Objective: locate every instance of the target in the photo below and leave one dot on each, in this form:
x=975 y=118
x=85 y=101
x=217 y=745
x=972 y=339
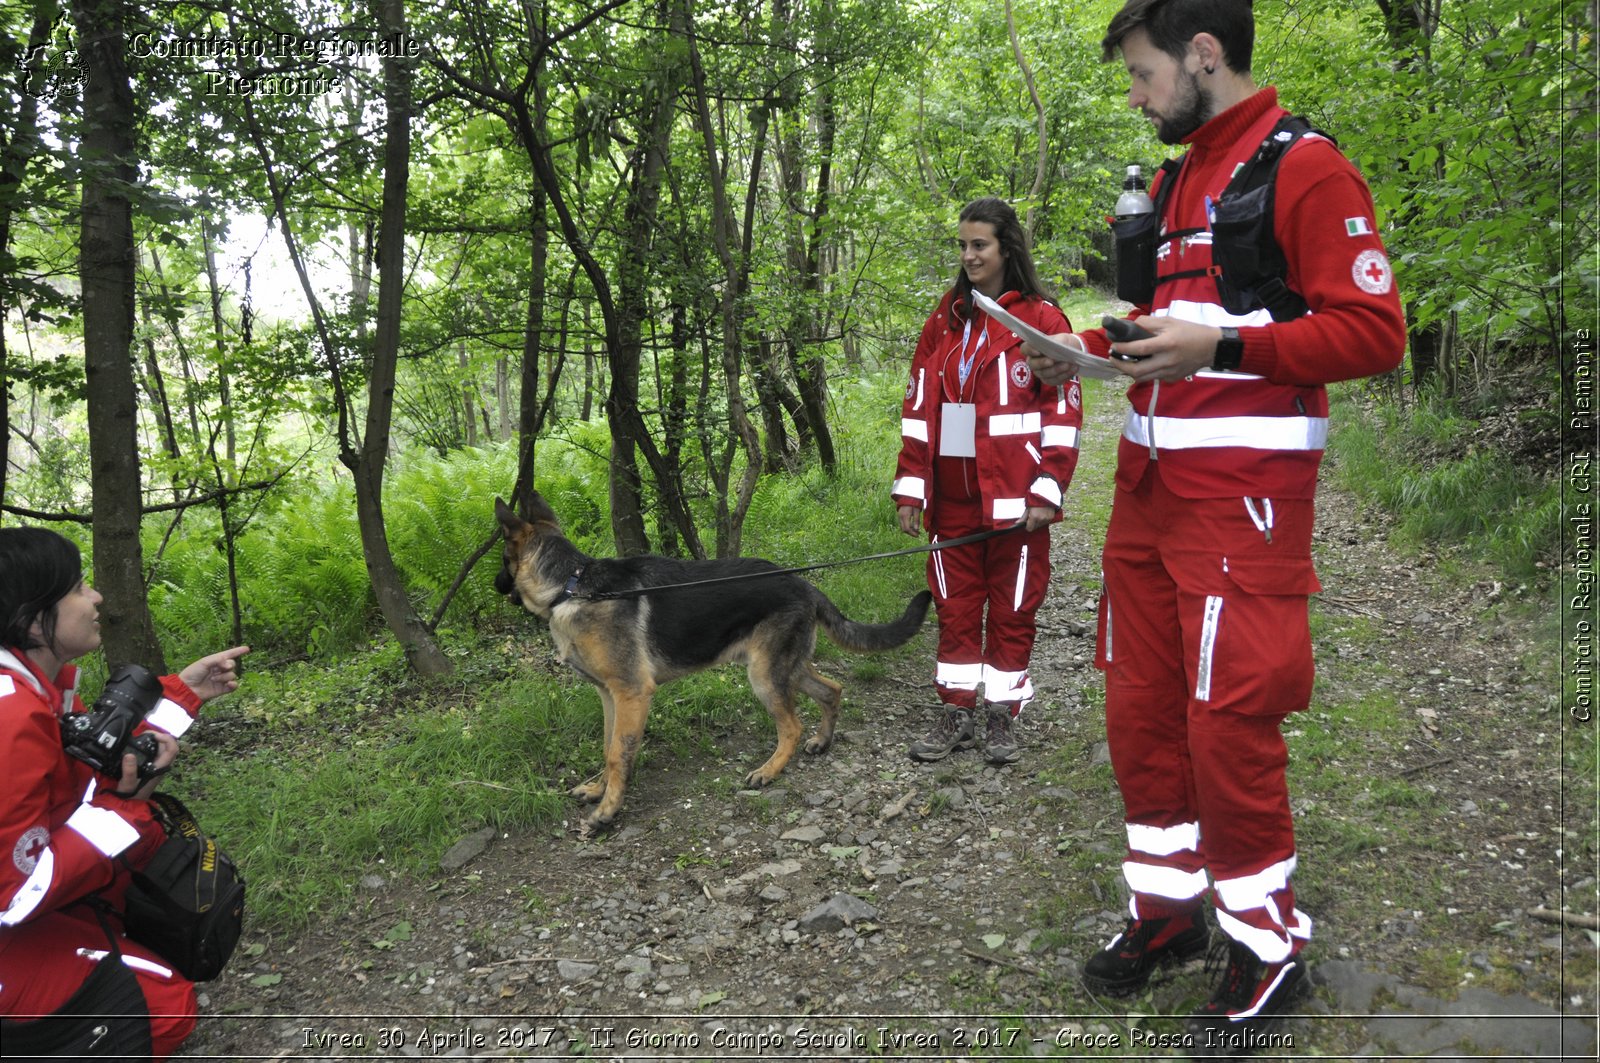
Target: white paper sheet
x=1086 y=363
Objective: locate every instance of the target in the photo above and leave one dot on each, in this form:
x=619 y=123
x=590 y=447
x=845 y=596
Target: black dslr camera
x=102 y=735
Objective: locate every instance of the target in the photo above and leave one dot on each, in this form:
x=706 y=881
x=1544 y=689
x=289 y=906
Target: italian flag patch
x=1357 y=227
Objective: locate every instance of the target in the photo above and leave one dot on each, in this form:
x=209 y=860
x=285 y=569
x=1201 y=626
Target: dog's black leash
x=570 y=591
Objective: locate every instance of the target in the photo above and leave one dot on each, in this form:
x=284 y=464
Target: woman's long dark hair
x=1020 y=275
x=38 y=568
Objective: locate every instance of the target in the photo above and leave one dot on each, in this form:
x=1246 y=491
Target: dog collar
x=570 y=590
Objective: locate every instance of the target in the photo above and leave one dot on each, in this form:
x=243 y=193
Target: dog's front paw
x=590 y=791
x=591 y=826
x=759 y=779
x=819 y=744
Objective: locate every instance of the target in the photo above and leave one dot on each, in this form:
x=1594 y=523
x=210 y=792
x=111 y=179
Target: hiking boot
x=999 y=746
x=1124 y=965
x=952 y=732
x=1249 y=1001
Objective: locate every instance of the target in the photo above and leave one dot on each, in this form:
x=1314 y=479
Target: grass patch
x=1421 y=464
x=307 y=816
x=1325 y=736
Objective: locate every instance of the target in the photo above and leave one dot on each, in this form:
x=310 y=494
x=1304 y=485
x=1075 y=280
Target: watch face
x=1230 y=350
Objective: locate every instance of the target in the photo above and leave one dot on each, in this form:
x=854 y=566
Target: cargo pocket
x=1258 y=574
x=1252 y=640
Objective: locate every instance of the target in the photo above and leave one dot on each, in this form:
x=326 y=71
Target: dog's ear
x=506 y=515
x=540 y=510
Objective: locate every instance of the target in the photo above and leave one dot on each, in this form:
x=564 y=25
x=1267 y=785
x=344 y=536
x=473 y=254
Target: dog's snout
x=502 y=582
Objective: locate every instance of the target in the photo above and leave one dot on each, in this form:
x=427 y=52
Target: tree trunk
x=675 y=406
x=530 y=415
x=1042 y=164
x=469 y=392
x=420 y=648
x=502 y=399
x=769 y=401
x=810 y=372
x=220 y=342
x=156 y=391
x=1410 y=26
x=513 y=104
x=588 y=365
x=734 y=266
x=633 y=287
x=106 y=266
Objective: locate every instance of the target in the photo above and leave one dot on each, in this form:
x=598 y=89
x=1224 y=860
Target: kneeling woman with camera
x=70 y=835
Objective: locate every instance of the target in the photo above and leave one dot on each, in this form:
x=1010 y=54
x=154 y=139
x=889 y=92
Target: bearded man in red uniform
x=1204 y=632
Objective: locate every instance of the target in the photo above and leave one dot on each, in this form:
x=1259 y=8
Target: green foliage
x=303 y=582
x=1475 y=152
x=1472 y=133
x=311 y=807
x=811 y=518
x=1445 y=489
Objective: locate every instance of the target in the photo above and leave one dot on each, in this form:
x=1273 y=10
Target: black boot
x=1249 y=1002
x=1124 y=966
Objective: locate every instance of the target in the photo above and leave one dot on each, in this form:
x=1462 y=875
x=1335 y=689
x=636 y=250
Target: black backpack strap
x=1263 y=165
x=1261 y=170
x=1169 y=174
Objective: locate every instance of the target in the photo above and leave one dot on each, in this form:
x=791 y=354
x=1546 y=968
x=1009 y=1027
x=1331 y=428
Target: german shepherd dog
x=628 y=640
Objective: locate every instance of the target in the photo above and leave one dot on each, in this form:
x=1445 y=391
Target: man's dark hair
x=38 y=568
x=1020 y=274
x=1172 y=24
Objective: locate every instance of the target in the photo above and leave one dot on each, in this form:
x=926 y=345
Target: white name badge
x=958 y=430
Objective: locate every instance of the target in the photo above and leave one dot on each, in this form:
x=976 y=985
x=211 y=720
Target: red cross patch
x=1371 y=272
x=25 y=854
x=1021 y=374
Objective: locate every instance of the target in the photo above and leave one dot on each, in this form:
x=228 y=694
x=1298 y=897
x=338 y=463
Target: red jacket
x=62 y=829
x=1026 y=438
x=1260 y=431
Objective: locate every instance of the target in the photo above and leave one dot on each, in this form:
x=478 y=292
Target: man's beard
x=1190 y=111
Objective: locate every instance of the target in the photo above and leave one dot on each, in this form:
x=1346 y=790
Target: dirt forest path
x=867 y=905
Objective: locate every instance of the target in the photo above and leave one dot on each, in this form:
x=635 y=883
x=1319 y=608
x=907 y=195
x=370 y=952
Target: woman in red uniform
x=985 y=445
x=69 y=835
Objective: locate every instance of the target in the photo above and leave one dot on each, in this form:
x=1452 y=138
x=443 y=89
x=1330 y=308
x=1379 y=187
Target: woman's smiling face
x=981 y=257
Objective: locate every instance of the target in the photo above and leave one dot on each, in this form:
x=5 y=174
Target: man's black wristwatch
x=1230 y=349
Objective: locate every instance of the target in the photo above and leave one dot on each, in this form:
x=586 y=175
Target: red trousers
x=1206 y=646
x=45 y=960
x=986 y=594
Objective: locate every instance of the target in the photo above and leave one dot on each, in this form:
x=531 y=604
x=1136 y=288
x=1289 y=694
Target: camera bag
x=187 y=903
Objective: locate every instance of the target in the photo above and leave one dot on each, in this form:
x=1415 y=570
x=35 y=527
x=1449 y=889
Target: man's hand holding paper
x=1054 y=358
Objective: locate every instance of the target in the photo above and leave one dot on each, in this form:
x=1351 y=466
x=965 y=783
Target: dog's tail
x=857 y=637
